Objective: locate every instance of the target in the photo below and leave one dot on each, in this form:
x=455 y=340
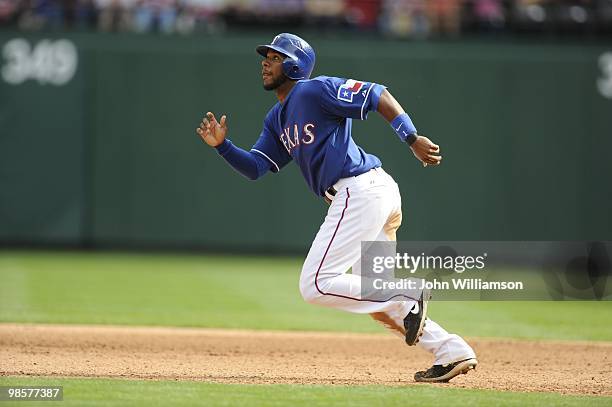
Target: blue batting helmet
x=300 y=59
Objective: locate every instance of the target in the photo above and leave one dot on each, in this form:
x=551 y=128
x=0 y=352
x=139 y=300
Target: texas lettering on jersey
x=291 y=137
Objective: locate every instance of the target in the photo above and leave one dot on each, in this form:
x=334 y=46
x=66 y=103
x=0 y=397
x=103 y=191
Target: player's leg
x=447 y=348
x=358 y=213
x=392 y=320
x=407 y=325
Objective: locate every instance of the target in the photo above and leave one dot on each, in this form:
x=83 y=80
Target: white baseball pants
x=366 y=208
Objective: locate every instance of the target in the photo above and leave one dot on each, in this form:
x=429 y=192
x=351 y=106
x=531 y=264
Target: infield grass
x=240 y=292
x=118 y=392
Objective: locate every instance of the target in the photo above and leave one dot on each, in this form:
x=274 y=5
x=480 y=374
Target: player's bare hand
x=426 y=151
x=212 y=131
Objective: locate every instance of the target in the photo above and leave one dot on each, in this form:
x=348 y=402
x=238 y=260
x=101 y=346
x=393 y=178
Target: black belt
x=330 y=192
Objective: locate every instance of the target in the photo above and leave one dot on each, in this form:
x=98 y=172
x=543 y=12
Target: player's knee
x=309 y=291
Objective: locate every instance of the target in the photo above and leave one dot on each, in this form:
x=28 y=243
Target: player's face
x=272 y=70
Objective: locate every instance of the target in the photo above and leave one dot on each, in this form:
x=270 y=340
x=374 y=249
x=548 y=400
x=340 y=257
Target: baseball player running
x=311 y=125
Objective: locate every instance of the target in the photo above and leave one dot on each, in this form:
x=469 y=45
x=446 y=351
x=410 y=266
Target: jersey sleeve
x=269 y=146
x=349 y=97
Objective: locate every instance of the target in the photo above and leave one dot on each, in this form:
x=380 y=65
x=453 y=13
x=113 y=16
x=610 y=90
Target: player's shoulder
x=314 y=86
x=307 y=86
x=331 y=85
x=328 y=81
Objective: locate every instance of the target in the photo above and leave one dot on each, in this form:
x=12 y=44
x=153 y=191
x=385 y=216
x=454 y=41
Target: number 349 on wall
x=48 y=61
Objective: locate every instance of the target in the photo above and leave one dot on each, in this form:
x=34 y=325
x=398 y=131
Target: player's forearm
x=388 y=106
x=393 y=113
x=246 y=163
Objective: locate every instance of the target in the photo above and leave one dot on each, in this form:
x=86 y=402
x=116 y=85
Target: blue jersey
x=313 y=127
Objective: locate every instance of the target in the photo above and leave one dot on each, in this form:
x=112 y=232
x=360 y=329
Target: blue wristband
x=404 y=128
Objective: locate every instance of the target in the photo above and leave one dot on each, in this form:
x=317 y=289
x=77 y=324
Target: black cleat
x=443 y=373
x=415 y=321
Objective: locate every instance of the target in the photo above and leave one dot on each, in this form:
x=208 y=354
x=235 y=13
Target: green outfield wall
x=98 y=143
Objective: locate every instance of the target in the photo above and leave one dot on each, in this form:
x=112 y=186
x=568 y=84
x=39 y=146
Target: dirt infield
x=230 y=356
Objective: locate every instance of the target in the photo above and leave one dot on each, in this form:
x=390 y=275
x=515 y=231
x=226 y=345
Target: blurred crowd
x=404 y=18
